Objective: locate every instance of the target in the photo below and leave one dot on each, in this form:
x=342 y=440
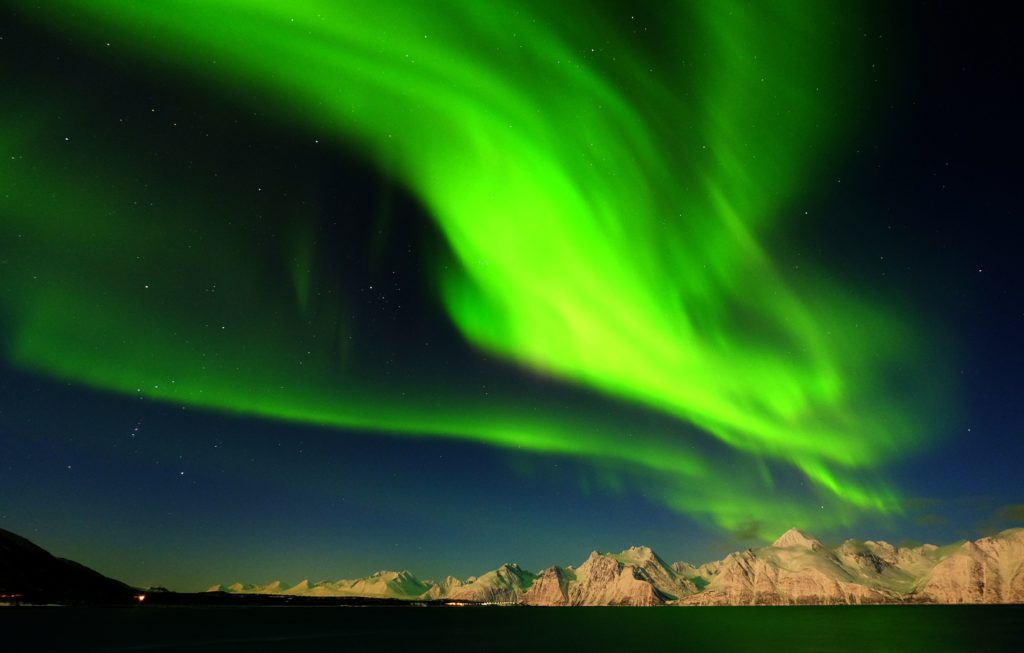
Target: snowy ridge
x=796 y=569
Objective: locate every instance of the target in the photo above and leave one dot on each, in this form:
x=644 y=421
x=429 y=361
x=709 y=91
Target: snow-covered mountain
x=989 y=570
x=506 y=584
x=795 y=569
x=798 y=569
x=382 y=584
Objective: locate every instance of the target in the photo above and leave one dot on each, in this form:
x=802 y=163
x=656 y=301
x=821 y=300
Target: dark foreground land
x=875 y=629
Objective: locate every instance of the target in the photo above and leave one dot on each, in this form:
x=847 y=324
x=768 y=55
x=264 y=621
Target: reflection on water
x=864 y=629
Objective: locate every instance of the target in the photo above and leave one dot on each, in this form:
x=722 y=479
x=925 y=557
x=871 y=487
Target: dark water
x=793 y=630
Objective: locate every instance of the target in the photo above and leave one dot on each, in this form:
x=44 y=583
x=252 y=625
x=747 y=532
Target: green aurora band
x=605 y=205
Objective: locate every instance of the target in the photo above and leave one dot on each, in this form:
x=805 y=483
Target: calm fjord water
x=863 y=629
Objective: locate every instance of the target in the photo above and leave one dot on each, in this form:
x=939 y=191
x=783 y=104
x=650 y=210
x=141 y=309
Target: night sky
x=312 y=289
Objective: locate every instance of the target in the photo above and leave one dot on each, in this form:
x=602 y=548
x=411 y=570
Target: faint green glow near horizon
x=604 y=205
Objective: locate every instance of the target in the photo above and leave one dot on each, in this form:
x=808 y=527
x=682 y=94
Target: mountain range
x=797 y=569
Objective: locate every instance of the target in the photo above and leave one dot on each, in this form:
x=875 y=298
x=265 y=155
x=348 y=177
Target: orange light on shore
x=140 y=597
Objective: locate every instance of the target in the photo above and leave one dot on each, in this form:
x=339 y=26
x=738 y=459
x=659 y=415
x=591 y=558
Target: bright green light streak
x=604 y=206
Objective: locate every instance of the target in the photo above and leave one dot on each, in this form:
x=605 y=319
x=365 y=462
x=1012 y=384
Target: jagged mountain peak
x=632 y=555
x=387 y=573
x=795 y=537
x=641 y=555
x=506 y=584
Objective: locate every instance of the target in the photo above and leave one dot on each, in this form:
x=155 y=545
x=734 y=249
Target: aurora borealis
x=561 y=231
